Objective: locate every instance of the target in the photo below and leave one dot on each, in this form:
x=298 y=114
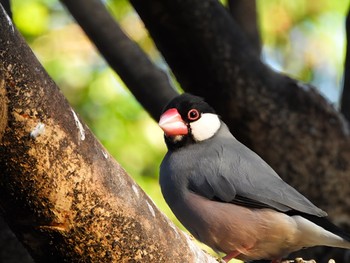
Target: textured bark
x=149 y=84
x=62 y=194
x=7 y=6
x=287 y=122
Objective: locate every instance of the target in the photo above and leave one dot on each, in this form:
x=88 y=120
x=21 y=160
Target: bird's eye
x=193 y=115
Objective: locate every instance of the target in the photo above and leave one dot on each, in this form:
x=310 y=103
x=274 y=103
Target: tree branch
x=345 y=97
x=245 y=14
x=285 y=121
x=7 y=6
x=62 y=194
x=149 y=84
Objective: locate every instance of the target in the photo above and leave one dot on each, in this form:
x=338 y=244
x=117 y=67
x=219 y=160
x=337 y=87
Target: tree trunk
x=63 y=195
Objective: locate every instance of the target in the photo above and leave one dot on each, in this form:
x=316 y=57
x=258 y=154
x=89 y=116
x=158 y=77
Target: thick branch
x=285 y=121
x=62 y=194
x=345 y=97
x=245 y=14
x=7 y=6
x=149 y=84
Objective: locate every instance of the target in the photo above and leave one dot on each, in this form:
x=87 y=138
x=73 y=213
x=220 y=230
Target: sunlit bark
x=63 y=195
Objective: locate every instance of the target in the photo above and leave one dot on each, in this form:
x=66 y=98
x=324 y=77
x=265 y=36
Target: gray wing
x=231 y=172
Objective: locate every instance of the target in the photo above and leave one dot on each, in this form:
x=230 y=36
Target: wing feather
x=231 y=172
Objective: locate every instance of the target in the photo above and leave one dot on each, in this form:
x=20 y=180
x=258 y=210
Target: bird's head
x=188 y=119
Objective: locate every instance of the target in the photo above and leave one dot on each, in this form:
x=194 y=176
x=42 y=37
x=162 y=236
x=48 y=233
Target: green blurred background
x=305 y=39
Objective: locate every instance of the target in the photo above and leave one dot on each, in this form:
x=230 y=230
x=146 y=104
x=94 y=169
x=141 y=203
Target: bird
x=227 y=196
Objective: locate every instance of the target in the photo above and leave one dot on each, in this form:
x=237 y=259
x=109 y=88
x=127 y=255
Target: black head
x=188 y=119
x=186 y=102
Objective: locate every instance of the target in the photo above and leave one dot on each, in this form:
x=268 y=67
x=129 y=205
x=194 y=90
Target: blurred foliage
x=304 y=39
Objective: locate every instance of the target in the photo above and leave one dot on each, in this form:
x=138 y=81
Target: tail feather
x=329 y=226
x=333 y=236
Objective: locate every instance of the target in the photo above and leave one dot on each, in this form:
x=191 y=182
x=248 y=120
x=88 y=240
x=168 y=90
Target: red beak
x=172 y=123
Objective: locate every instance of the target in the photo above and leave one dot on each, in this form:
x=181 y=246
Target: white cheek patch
x=205 y=127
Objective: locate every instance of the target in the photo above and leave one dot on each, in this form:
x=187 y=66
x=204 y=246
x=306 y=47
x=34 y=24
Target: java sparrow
x=227 y=196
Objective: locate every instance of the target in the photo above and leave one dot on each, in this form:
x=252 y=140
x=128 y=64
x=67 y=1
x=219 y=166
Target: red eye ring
x=193 y=115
